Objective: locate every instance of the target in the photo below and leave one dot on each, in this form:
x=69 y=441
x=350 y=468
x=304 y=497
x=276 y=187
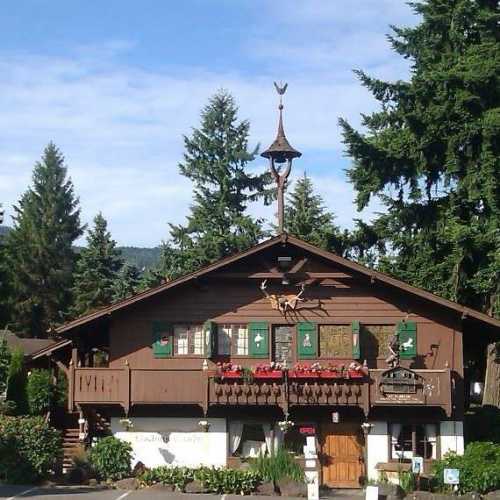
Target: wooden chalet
x=211 y=367
x=271 y=345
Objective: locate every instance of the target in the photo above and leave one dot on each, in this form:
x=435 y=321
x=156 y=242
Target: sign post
x=452 y=477
x=311 y=468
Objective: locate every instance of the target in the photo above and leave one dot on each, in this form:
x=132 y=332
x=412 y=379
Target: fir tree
x=127 y=282
x=39 y=248
x=431 y=154
x=307 y=218
x=97 y=269
x=215 y=160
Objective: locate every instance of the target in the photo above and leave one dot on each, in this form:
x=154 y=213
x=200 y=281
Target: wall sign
x=399 y=381
x=307 y=431
x=451 y=476
x=335 y=417
x=417 y=465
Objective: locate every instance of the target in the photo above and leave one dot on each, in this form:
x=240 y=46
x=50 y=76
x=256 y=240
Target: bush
x=16 y=382
x=4 y=363
x=219 y=480
x=280 y=465
x=479 y=468
x=214 y=480
x=110 y=458
x=41 y=392
x=29 y=449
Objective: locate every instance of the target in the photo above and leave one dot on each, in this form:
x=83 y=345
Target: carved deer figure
x=283 y=303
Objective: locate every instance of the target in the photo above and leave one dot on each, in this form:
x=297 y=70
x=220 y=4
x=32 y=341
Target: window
x=375 y=340
x=233 y=339
x=335 y=341
x=413 y=440
x=188 y=339
x=249 y=439
x=295 y=438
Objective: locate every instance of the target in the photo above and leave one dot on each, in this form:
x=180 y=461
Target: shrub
x=214 y=480
x=110 y=458
x=479 y=468
x=40 y=391
x=4 y=364
x=16 y=382
x=407 y=481
x=219 y=480
x=277 y=466
x=29 y=449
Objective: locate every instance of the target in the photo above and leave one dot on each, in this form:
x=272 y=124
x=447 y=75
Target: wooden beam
x=62 y=367
x=268 y=275
x=298 y=266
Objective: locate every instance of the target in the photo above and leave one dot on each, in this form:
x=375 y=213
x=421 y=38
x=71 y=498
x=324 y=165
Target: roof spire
x=280 y=151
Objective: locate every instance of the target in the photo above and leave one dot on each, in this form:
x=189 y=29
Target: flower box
x=330 y=374
x=356 y=374
x=230 y=374
x=276 y=374
x=303 y=374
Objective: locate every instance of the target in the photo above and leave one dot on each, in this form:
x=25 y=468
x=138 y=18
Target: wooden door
x=283 y=345
x=342 y=455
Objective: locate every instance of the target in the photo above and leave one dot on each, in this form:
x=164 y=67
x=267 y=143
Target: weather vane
x=280 y=151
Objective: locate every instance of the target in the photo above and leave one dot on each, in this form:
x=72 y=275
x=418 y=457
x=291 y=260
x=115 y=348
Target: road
x=84 y=493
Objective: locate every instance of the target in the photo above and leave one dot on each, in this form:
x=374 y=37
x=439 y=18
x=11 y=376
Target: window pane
x=224 y=339
x=181 y=339
x=401 y=442
x=426 y=441
x=241 y=332
x=335 y=341
x=375 y=340
x=198 y=341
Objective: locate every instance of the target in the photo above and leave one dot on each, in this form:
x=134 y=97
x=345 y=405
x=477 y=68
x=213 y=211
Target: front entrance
x=342 y=462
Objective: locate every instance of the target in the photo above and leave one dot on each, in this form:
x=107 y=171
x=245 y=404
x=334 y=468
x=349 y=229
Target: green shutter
x=162 y=339
x=258 y=337
x=407 y=334
x=210 y=329
x=307 y=340
x=356 y=339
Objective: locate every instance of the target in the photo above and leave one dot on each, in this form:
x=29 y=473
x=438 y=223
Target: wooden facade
x=165 y=347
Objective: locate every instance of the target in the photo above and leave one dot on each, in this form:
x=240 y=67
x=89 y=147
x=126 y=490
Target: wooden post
x=491 y=396
x=126 y=402
x=71 y=386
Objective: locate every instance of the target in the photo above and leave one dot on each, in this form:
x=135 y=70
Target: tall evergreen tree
x=215 y=160
x=127 y=282
x=97 y=269
x=432 y=154
x=39 y=248
x=4 y=363
x=307 y=218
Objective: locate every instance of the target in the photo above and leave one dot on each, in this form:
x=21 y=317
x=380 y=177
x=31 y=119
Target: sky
x=116 y=84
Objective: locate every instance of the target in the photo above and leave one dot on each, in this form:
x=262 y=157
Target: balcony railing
x=127 y=387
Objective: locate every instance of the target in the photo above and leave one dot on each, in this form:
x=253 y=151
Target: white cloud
x=120 y=126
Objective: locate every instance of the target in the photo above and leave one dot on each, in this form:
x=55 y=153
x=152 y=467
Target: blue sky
x=116 y=84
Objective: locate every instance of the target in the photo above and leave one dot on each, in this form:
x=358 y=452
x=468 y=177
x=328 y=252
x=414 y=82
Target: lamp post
x=279 y=153
x=366 y=427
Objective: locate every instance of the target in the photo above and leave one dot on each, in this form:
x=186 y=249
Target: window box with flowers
x=268 y=371
x=229 y=370
x=316 y=370
x=305 y=371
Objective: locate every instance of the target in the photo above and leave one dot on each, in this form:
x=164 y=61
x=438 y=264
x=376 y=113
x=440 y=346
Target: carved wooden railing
x=127 y=387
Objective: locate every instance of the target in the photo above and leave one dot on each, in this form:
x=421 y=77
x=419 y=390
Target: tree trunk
x=491 y=396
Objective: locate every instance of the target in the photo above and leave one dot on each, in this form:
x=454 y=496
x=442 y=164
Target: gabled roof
x=28 y=345
x=284 y=238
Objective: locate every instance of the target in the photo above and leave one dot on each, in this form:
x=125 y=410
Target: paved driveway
x=83 y=493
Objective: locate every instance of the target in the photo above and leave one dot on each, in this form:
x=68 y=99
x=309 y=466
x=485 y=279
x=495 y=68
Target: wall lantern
x=335 y=417
x=204 y=424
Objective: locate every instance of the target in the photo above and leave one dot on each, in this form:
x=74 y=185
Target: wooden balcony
x=128 y=387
